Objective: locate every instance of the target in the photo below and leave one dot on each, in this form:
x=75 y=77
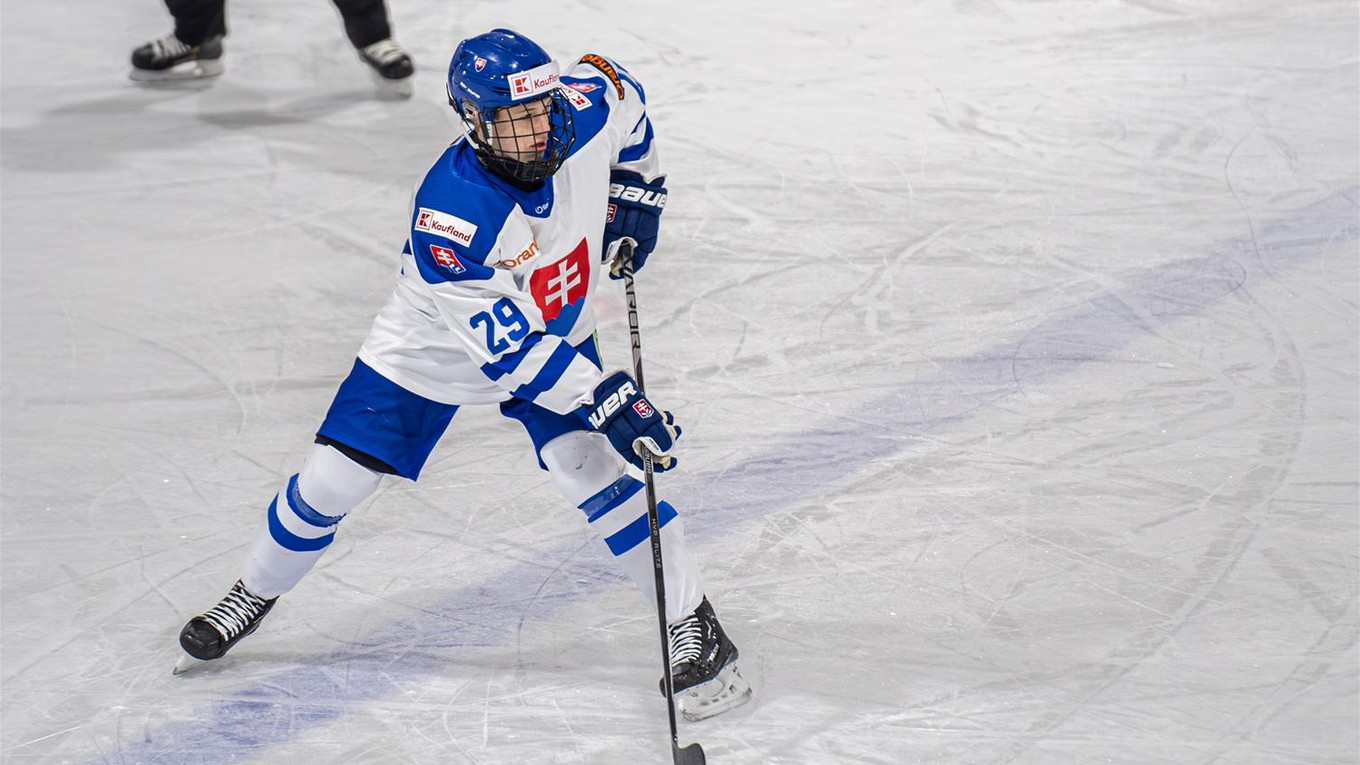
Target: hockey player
x=194 y=49
x=509 y=235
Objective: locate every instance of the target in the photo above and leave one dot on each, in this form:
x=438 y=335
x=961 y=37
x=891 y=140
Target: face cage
x=561 y=137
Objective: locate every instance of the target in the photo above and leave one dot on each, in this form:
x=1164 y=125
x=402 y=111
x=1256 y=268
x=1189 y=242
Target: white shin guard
x=302 y=519
x=592 y=476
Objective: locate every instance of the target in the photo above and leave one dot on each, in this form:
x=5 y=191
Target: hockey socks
x=589 y=473
x=302 y=520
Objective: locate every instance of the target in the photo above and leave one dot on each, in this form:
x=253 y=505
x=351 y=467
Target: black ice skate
x=212 y=633
x=392 y=66
x=168 y=59
x=704 y=667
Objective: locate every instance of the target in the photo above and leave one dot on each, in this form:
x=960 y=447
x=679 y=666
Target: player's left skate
x=212 y=633
x=169 y=60
x=393 y=69
x=704 y=667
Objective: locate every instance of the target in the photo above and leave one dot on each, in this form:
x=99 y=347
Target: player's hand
x=631 y=423
x=635 y=213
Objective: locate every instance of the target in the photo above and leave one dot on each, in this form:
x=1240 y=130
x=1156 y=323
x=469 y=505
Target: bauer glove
x=635 y=213
x=631 y=423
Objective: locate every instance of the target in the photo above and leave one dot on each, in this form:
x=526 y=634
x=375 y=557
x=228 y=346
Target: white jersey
x=497 y=283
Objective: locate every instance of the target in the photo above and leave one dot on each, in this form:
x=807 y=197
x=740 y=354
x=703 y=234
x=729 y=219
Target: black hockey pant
x=366 y=21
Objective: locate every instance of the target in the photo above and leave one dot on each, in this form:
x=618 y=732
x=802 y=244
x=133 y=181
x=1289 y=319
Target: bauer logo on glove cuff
x=637 y=194
x=612 y=404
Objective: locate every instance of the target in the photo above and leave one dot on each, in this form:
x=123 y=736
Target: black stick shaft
x=692 y=754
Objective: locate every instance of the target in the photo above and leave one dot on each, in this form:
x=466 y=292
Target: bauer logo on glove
x=612 y=402
x=630 y=422
x=642 y=195
x=634 y=213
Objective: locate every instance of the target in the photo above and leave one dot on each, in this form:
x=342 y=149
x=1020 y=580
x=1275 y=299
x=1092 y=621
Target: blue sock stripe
x=305 y=511
x=290 y=541
x=610 y=497
x=638 y=531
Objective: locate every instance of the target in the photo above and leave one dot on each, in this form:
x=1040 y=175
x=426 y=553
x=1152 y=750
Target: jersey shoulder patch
x=583 y=93
x=615 y=74
x=456 y=220
x=457 y=205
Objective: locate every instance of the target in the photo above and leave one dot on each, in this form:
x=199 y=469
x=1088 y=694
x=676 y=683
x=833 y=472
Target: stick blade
x=690 y=755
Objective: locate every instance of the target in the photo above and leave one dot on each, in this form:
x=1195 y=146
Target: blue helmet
x=499 y=70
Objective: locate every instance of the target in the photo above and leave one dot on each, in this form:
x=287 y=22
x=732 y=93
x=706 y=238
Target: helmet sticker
x=533 y=82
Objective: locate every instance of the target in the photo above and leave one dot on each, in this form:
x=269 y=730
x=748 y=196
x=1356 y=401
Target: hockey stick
x=692 y=754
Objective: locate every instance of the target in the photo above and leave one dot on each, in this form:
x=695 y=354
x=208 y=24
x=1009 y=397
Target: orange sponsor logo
x=601 y=63
x=523 y=257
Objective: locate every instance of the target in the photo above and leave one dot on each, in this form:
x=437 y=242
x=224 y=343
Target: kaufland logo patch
x=445 y=257
x=534 y=81
x=448 y=226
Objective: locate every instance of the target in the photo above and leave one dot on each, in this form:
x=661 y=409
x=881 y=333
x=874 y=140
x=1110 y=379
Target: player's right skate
x=704 y=667
x=212 y=633
x=168 y=60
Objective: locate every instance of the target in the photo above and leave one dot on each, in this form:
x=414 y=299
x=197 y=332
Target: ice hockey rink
x=1015 y=344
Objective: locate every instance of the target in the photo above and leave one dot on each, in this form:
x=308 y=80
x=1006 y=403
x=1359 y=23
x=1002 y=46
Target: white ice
x=1015 y=342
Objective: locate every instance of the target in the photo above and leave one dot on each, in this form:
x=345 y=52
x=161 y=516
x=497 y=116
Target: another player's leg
x=193 y=51
x=704 y=661
x=300 y=524
x=369 y=29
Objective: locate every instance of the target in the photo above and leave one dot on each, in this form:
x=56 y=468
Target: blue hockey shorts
x=375 y=416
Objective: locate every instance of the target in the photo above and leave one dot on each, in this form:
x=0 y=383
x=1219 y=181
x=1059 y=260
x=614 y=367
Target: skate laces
x=235 y=612
x=687 y=640
x=384 y=51
x=169 y=47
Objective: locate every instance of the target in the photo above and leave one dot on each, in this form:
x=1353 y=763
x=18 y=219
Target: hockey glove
x=634 y=212
x=631 y=423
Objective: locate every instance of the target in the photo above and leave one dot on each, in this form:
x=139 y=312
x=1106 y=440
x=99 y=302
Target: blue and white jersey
x=497 y=283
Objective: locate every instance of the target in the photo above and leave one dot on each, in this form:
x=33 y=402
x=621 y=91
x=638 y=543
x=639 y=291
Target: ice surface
x=1016 y=346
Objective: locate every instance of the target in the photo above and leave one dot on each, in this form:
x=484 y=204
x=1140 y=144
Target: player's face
x=522 y=130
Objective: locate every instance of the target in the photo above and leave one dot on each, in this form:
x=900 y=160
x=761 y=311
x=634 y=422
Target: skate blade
x=393 y=89
x=187 y=73
x=186 y=663
x=727 y=691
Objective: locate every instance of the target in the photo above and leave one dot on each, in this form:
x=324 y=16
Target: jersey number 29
x=508 y=317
